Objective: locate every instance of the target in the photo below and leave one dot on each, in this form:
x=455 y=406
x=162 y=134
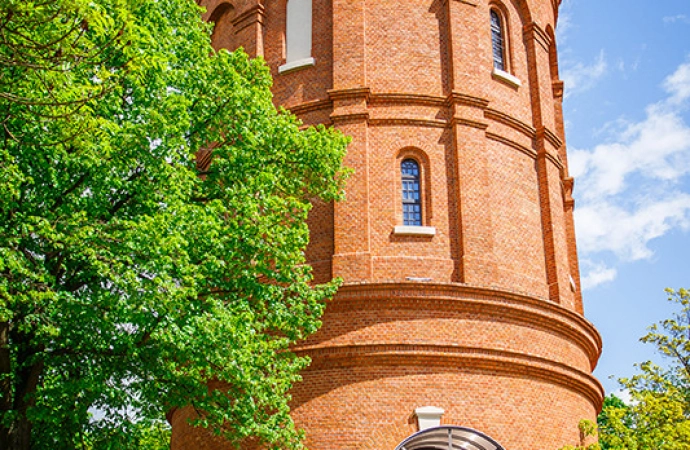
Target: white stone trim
x=408 y=230
x=505 y=76
x=428 y=417
x=305 y=62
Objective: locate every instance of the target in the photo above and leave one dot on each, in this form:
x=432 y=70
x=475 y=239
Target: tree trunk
x=5 y=382
x=17 y=394
x=17 y=437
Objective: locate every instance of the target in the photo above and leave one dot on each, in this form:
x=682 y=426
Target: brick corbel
x=253 y=15
x=568 y=201
x=558 y=87
x=534 y=31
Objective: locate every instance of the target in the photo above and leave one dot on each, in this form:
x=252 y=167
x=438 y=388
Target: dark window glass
x=497 y=41
x=411 y=199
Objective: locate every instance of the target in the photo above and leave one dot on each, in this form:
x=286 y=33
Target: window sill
x=294 y=65
x=504 y=76
x=407 y=230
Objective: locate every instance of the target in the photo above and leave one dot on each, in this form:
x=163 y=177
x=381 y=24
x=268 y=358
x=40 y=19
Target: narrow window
x=497 y=41
x=223 y=33
x=298 y=31
x=411 y=199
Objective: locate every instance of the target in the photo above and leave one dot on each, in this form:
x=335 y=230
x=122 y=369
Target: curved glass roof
x=449 y=438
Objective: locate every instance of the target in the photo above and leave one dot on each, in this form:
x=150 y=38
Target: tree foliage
x=588 y=432
x=658 y=414
x=657 y=417
x=131 y=283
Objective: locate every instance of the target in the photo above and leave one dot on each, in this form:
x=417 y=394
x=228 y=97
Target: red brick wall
x=496 y=336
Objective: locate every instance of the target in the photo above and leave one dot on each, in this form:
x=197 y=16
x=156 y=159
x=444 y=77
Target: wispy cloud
x=580 y=77
x=565 y=22
x=679 y=18
x=596 y=273
x=605 y=226
x=631 y=185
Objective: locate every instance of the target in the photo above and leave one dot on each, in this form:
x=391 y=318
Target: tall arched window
x=498 y=41
x=298 y=35
x=411 y=195
x=223 y=35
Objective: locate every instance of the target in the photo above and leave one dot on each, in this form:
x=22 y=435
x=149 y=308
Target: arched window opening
x=298 y=31
x=498 y=41
x=223 y=31
x=411 y=193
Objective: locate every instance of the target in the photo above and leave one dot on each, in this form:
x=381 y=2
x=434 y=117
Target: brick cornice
x=350 y=117
x=405 y=98
x=457 y=98
x=315 y=105
x=510 y=121
x=405 y=121
x=544 y=134
x=469 y=123
x=457 y=358
x=550 y=137
x=510 y=143
x=510 y=306
x=341 y=94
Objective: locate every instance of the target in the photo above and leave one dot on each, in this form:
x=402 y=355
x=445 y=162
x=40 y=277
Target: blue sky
x=626 y=66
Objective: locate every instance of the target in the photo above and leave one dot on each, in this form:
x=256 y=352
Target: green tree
x=612 y=405
x=588 y=432
x=657 y=416
x=131 y=283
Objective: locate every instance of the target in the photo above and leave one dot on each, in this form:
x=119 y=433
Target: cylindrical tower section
x=456 y=242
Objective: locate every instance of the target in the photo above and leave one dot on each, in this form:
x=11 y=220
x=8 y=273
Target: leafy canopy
x=130 y=283
x=657 y=417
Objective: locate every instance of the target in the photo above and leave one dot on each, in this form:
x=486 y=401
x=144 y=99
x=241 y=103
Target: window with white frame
x=298 y=33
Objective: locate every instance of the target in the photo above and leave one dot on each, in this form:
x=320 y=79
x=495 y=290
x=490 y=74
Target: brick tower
x=459 y=324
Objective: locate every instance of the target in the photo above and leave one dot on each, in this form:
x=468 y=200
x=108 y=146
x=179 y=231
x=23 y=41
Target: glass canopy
x=449 y=438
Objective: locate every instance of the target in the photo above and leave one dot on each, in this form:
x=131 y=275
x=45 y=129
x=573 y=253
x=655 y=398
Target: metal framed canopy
x=449 y=438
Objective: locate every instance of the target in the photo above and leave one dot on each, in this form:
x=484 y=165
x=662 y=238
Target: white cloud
x=658 y=148
x=597 y=273
x=605 y=226
x=678 y=84
x=631 y=186
x=682 y=18
x=581 y=77
x=565 y=22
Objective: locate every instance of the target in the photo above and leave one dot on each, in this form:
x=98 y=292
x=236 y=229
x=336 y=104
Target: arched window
x=298 y=34
x=223 y=34
x=498 y=41
x=411 y=195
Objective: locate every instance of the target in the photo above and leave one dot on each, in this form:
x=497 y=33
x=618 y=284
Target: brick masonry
x=495 y=335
